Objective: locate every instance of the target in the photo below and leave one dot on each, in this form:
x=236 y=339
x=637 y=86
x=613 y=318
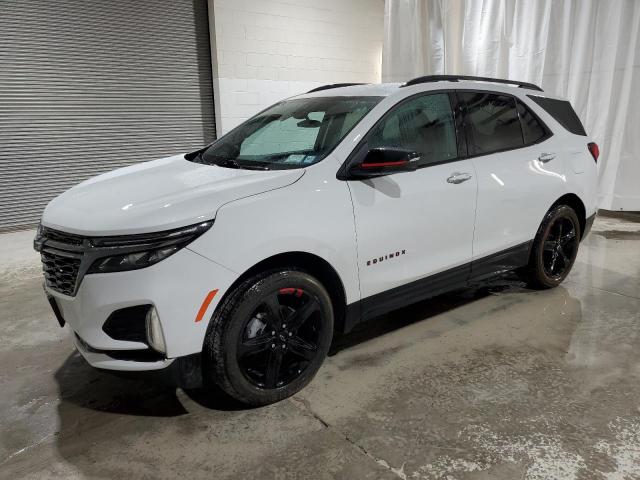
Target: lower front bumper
x=183 y=372
x=115 y=360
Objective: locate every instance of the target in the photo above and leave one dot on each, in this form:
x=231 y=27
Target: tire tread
x=214 y=366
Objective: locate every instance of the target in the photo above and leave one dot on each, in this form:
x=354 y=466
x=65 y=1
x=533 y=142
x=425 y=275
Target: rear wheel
x=555 y=248
x=269 y=337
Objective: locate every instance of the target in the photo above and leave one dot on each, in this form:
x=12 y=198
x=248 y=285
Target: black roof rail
x=456 y=78
x=333 y=85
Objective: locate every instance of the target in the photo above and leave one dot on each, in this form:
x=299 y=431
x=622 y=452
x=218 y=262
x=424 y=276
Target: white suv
x=237 y=264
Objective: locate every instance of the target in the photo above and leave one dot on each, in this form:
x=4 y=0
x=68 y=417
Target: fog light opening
x=155 y=336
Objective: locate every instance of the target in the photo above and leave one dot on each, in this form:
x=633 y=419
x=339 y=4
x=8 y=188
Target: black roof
x=333 y=85
x=456 y=78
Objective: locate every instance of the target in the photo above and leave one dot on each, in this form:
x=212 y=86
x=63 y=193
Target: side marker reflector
x=205 y=304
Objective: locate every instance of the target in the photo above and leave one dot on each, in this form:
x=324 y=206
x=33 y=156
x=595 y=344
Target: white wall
x=267 y=50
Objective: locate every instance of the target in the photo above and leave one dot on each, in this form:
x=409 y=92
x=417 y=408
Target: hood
x=158 y=195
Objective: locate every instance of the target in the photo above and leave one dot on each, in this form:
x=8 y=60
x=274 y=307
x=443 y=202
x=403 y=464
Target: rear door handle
x=458 y=177
x=546 y=157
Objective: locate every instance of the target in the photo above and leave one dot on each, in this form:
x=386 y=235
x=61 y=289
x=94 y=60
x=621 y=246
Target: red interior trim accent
x=205 y=304
x=594 y=150
x=383 y=164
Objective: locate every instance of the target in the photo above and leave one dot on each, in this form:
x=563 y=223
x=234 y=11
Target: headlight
x=131 y=252
x=131 y=261
x=37 y=241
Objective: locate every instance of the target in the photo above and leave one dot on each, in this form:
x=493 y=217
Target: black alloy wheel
x=560 y=247
x=555 y=248
x=269 y=336
x=281 y=338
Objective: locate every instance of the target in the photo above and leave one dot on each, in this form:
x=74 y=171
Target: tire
x=554 y=248
x=248 y=338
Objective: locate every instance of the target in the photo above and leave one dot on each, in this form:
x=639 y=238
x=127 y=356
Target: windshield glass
x=291 y=134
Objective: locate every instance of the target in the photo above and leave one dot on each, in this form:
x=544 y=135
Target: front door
x=414 y=227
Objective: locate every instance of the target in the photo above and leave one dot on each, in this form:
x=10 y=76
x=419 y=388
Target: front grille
x=61 y=255
x=60 y=272
x=62 y=237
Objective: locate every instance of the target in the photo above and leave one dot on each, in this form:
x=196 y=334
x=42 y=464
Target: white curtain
x=587 y=51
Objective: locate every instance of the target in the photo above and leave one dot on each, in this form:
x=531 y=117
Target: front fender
x=309 y=216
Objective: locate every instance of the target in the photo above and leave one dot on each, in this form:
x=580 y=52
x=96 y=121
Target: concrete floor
x=500 y=383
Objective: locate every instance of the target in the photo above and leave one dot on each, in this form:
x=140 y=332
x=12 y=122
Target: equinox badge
x=386 y=257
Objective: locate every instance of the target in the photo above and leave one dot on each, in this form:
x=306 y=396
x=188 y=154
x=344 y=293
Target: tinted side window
x=532 y=128
x=423 y=124
x=493 y=122
x=562 y=112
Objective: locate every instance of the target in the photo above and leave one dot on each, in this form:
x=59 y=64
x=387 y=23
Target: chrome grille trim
x=61 y=254
x=60 y=271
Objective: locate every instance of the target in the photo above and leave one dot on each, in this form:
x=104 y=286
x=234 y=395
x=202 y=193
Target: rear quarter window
x=492 y=122
x=562 y=112
x=533 y=129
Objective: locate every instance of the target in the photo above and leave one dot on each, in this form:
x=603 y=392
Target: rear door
x=520 y=174
x=413 y=225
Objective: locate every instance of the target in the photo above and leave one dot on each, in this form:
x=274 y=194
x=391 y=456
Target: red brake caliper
x=292 y=291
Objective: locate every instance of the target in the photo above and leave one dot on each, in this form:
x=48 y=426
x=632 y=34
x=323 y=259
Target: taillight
x=594 y=150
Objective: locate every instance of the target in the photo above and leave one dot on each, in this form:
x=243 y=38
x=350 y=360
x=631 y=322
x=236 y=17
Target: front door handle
x=546 y=157
x=458 y=177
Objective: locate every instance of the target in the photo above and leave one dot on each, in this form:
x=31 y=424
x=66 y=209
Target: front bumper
x=184 y=372
x=108 y=359
x=176 y=287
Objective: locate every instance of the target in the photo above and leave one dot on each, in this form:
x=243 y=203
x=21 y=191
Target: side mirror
x=384 y=161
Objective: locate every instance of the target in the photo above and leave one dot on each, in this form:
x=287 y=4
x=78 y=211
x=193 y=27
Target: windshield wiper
x=228 y=162
x=255 y=167
x=231 y=163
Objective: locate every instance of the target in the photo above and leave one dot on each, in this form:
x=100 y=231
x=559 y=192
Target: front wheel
x=269 y=337
x=555 y=248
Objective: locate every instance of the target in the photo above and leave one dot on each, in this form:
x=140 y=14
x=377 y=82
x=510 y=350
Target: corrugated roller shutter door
x=86 y=87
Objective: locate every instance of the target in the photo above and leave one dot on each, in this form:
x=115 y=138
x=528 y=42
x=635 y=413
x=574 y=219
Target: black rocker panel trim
x=503 y=261
x=430 y=286
x=433 y=285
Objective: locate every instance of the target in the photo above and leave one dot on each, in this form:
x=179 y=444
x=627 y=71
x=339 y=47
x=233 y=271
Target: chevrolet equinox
x=236 y=264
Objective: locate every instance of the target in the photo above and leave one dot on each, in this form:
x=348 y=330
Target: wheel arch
x=311 y=264
x=572 y=200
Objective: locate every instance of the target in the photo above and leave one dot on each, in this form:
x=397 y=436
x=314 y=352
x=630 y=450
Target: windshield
x=291 y=134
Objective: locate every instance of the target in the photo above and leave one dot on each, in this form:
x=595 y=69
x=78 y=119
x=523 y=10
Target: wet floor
x=494 y=383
